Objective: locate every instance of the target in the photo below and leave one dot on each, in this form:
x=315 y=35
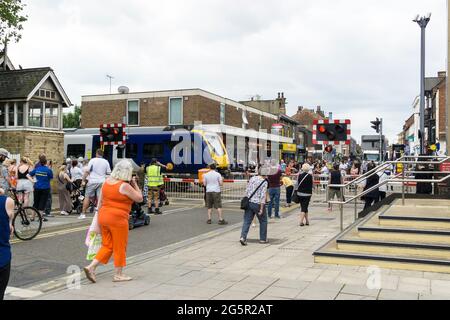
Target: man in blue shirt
x=43 y=176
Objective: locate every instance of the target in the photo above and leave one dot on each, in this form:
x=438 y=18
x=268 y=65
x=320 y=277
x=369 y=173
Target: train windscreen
x=214 y=142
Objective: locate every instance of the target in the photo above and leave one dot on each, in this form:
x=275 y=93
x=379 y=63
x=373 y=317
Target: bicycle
x=27 y=221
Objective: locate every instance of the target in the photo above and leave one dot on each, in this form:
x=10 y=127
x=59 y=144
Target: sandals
x=302 y=224
x=122 y=278
x=90 y=275
x=209 y=221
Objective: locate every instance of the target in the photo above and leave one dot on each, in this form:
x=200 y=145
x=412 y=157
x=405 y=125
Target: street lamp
x=422 y=22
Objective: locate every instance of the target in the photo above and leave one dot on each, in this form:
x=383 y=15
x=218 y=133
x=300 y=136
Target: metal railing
x=400 y=178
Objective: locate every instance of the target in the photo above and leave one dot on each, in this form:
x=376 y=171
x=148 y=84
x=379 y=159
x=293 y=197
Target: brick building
x=31 y=111
x=159 y=109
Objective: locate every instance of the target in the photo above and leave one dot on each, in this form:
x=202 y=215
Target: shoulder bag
x=295 y=197
x=245 y=202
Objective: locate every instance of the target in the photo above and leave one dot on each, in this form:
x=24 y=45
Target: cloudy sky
x=357 y=59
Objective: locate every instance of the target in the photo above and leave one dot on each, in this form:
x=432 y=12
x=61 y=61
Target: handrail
x=387 y=163
x=431 y=160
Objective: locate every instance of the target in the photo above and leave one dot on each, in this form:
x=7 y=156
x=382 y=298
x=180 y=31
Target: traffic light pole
x=381 y=140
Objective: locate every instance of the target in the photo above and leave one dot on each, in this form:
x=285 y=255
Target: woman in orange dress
x=119 y=192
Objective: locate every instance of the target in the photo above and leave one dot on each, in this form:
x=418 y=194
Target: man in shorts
x=212 y=182
x=97 y=170
x=4 y=178
x=155 y=182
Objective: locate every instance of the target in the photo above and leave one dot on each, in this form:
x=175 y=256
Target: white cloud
x=358 y=59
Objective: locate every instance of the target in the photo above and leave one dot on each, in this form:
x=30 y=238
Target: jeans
x=248 y=219
x=289 y=191
x=274 y=194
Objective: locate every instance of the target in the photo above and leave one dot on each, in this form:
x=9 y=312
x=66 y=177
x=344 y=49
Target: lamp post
x=422 y=22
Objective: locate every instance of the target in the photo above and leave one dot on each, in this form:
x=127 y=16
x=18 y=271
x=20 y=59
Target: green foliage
x=73 y=119
x=11 y=19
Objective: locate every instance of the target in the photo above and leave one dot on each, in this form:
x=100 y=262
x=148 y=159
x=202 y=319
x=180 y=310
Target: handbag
x=295 y=197
x=245 y=202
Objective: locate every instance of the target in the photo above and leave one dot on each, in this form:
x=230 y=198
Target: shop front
x=288 y=152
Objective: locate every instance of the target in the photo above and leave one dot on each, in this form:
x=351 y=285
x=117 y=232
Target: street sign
x=445 y=167
x=331 y=132
x=113 y=134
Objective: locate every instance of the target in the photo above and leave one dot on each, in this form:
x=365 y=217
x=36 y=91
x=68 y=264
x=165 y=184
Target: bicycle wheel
x=27 y=223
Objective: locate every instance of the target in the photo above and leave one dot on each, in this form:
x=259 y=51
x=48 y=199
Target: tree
x=73 y=119
x=11 y=20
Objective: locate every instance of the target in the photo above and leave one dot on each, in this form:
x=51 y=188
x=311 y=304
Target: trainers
x=82 y=216
x=254 y=225
x=264 y=241
x=243 y=241
x=64 y=213
x=49 y=215
x=44 y=219
x=223 y=222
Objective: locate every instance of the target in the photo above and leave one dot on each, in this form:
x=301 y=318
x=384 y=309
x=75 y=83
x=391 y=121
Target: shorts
x=41 y=198
x=24 y=185
x=334 y=192
x=153 y=193
x=304 y=203
x=93 y=190
x=214 y=200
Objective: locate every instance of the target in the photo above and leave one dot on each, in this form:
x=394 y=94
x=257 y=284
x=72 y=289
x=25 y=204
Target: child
x=287 y=182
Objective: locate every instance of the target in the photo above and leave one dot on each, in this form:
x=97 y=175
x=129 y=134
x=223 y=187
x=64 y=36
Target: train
x=187 y=150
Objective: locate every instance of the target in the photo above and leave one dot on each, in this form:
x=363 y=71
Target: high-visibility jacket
x=154 y=176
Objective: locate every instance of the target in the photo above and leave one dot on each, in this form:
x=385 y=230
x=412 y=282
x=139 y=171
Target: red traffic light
x=322 y=129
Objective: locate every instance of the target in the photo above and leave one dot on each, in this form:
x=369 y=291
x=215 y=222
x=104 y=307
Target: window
x=53 y=95
x=2 y=114
x=11 y=114
x=222 y=113
x=131 y=150
x=20 y=112
x=175 y=111
x=51 y=115
x=35 y=114
x=41 y=93
x=76 y=150
x=133 y=113
x=153 y=151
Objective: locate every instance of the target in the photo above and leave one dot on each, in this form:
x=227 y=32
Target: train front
x=217 y=150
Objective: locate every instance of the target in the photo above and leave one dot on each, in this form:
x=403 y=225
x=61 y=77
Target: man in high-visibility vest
x=155 y=182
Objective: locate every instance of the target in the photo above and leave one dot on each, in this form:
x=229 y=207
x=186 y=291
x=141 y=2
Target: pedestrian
x=373 y=196
x=4 y=176
x=41 y=193
x=6 y=231
x=65 y=201
x=274 y=190
x=80 y=163
x=24 y=184
x=213 y=182
x=283 y=166
x=423 y=187
x=12 y=172
x=304 y=191
x=49 y=203
x=119 y=192
x=256 y=192
x=335 y=178
x=384 y=187
x=93 y=178
x=355 y=170
x=76 y=174
x=289 y=185
x=155 y=182
x=343 y=167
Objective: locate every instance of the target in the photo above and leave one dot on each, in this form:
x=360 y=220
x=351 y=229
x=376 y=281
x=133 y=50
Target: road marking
x=22 y=293
x=52 y=234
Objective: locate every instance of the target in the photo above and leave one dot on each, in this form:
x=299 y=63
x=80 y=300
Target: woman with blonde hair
x=24 y=185
x=119 y=192
x=65 y=201
x=304 y=191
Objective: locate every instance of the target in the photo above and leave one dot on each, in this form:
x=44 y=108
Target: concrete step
x=414 y=235
x=417 y=222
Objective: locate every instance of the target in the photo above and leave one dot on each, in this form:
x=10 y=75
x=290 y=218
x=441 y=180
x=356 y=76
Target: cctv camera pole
x=422 y=22
x=381 y=140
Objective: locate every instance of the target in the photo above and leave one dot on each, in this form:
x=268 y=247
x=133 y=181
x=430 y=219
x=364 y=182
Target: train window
x=76 y=150
x=131 y=150
x=153 y=151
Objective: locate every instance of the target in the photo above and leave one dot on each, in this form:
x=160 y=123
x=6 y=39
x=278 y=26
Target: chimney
x=282 y=95
x=442 y=74
x=319 y=108
x=300 y=108
x=330 y=116
x=279 y=95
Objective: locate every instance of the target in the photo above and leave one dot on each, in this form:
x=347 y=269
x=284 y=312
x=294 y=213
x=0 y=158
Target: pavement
x=215 y=266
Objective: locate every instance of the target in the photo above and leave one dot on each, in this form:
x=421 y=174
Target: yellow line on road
x=53 y=234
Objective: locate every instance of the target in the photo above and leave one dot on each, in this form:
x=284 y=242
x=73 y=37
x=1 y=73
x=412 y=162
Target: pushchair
x=138 y=217
x=163 y=200
x=77 y=196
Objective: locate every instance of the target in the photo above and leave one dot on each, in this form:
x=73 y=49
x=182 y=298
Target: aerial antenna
x=110 y=82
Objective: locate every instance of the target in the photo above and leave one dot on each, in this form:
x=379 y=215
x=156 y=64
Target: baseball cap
x=4 y=152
